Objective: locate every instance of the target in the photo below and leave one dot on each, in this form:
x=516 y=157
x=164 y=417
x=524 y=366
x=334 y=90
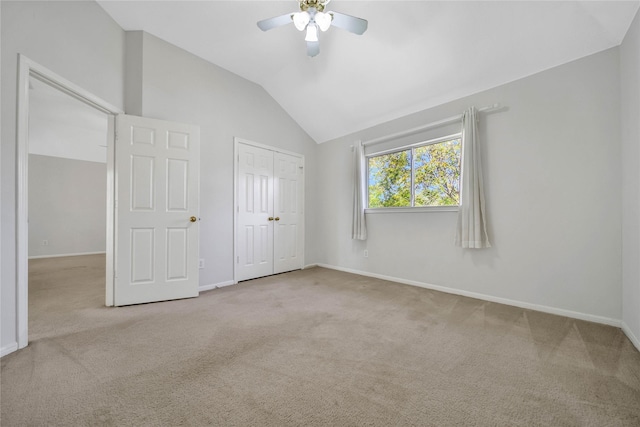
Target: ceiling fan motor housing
x=317 y=4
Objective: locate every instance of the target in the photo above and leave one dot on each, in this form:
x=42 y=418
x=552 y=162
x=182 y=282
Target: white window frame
x=412 y=209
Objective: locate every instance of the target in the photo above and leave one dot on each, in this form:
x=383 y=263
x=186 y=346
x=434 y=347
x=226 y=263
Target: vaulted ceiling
x=414 y=55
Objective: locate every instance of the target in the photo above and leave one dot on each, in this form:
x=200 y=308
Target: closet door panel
x=254 y=229
x=288 y=185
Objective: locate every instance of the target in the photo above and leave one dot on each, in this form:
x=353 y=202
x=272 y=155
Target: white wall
x=76 y=40
x=62 y=126
x=179 y=86
x=67 y=206
x=552 y=174
x=630 y=94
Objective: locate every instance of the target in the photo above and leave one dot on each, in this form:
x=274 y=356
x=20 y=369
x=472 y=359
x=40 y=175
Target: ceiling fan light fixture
x=311 y=17
x=301 y=20
x=312 y=33
x=323 y=20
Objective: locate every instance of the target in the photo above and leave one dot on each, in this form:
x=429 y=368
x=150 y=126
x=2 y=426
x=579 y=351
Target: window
x=422 y=175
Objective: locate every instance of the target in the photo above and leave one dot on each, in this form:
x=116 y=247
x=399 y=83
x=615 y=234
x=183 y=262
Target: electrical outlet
x=366 y=253
x=45 y=243
x=201 y=263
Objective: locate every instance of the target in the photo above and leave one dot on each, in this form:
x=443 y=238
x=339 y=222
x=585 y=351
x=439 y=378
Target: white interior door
x=288 y=226
x=255 y=212
x=157 y=208
x=269 y=218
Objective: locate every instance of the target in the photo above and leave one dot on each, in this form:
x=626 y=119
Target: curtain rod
x=426 y=127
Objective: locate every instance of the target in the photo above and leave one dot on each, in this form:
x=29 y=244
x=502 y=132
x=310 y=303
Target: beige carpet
x=314 y=347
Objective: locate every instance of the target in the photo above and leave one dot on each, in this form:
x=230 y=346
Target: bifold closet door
x=287 y=197
x=255 y=207
x=269 y=237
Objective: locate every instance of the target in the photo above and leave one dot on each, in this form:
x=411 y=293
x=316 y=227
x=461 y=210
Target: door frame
x=236 y=153
x=26 y=69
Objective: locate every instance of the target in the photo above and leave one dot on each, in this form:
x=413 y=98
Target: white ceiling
x=415 y=54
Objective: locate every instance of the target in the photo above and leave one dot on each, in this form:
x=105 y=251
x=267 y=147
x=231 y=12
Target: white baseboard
x=521 y=304
x=65 y=255
x=8 y=349
x=629 y=333
x=216 y=286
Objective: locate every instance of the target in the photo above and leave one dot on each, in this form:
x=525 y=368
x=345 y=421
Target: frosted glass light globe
x=301 y=19
x=323 y=20
x=312 y=33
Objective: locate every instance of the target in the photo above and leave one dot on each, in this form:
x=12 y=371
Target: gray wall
x=630 y=85
x=176 y=85
x=67 y=206
x=552 y=176
x=76 y=40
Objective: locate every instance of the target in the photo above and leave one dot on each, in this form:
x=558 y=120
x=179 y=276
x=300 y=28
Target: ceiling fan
x=313 y=17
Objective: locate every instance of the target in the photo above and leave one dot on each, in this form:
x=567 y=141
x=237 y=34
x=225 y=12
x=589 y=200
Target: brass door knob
x=277 y=218
x=193 y=219
x=270 y=218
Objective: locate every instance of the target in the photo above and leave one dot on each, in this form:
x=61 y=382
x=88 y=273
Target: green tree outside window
x=435 y=180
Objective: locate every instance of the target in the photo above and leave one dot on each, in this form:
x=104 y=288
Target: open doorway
x=67 y=206
x=156 y=158
x=28 y=73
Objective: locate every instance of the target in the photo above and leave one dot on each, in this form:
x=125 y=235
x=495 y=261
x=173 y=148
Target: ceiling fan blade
x=277 y=21
x=349 y=23
x=313 y=48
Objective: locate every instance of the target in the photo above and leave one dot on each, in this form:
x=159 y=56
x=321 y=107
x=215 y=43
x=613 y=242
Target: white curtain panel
x=471 y=231
x=358 y=225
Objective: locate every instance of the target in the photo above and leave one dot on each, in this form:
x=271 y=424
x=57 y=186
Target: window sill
x=412 y=210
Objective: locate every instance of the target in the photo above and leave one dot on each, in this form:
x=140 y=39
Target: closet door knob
x=193 y=219
x=277 y=218
x=270 y=218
